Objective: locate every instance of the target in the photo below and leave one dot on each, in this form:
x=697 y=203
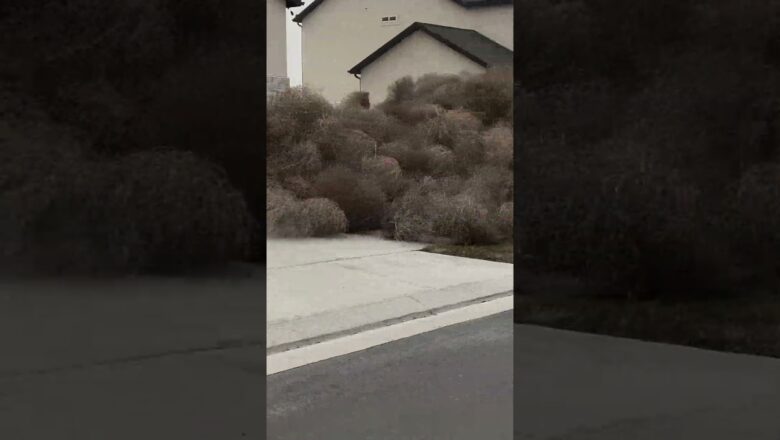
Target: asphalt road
x=144 y=358
x=201 y=396
x=138 y=360
x=453 y=383
x=576 y=386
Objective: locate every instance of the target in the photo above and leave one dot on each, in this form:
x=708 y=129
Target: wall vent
x=390 y=20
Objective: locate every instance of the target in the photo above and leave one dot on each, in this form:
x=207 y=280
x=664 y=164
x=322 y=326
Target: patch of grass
x=745 y=324
x=502 y=252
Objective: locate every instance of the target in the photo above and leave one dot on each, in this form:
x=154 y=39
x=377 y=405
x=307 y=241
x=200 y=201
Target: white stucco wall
x=340 y=33
x=415 y=56
x=276 y=45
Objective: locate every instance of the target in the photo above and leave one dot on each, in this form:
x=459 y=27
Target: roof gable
x=465 y=3
x=469 y=43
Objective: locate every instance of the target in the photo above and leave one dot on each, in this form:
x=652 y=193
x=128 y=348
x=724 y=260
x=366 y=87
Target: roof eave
x=312 y=6
x=384 y=48
x=414 y=27
x=456 y=48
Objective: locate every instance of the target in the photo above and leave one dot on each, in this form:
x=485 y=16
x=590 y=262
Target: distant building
x=350 y=45
x=424 y=48
x=276 y=45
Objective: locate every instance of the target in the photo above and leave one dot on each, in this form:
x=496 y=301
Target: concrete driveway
x=318 y=288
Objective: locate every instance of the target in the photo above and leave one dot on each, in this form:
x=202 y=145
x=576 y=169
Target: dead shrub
x=283 y=215
x=448 y=185
x=411 y=112
x=343 y=145
x=324 y=217
x=375 y=123
x=427 y=213
x=464 y=220
x=276 y=196
x=181 y=209
x=490 y=185
x=489 y=95
x=155 y=211
x=292 y=115
x=447 y=127
x=382 y=165
x=298 y=186
x=412 y=164
x=401 y=90
x=292 y=218
x=469 y=149
x=618 y=219
x=387 y=173
x=428 y=84
x=505 y=219
x=412 y=159
x=441 y=160
x=359 y=196
x=411 y=216
x=295 y=160
x=463 y=119
x=499 y=146
x=356 y=100
x=448 y=95
x=356 y=147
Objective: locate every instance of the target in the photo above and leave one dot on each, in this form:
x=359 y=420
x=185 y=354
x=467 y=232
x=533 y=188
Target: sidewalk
x=322 y=288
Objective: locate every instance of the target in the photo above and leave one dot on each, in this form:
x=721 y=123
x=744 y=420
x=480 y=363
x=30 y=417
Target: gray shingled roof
x=465 y=3
x=469 y=43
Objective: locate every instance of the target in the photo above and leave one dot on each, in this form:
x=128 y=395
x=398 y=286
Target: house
x=365 y=36
x=424 y=48
x=276 y=44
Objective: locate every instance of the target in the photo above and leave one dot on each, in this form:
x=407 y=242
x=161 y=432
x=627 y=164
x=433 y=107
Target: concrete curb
x=370 y=338
x=285 y=335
